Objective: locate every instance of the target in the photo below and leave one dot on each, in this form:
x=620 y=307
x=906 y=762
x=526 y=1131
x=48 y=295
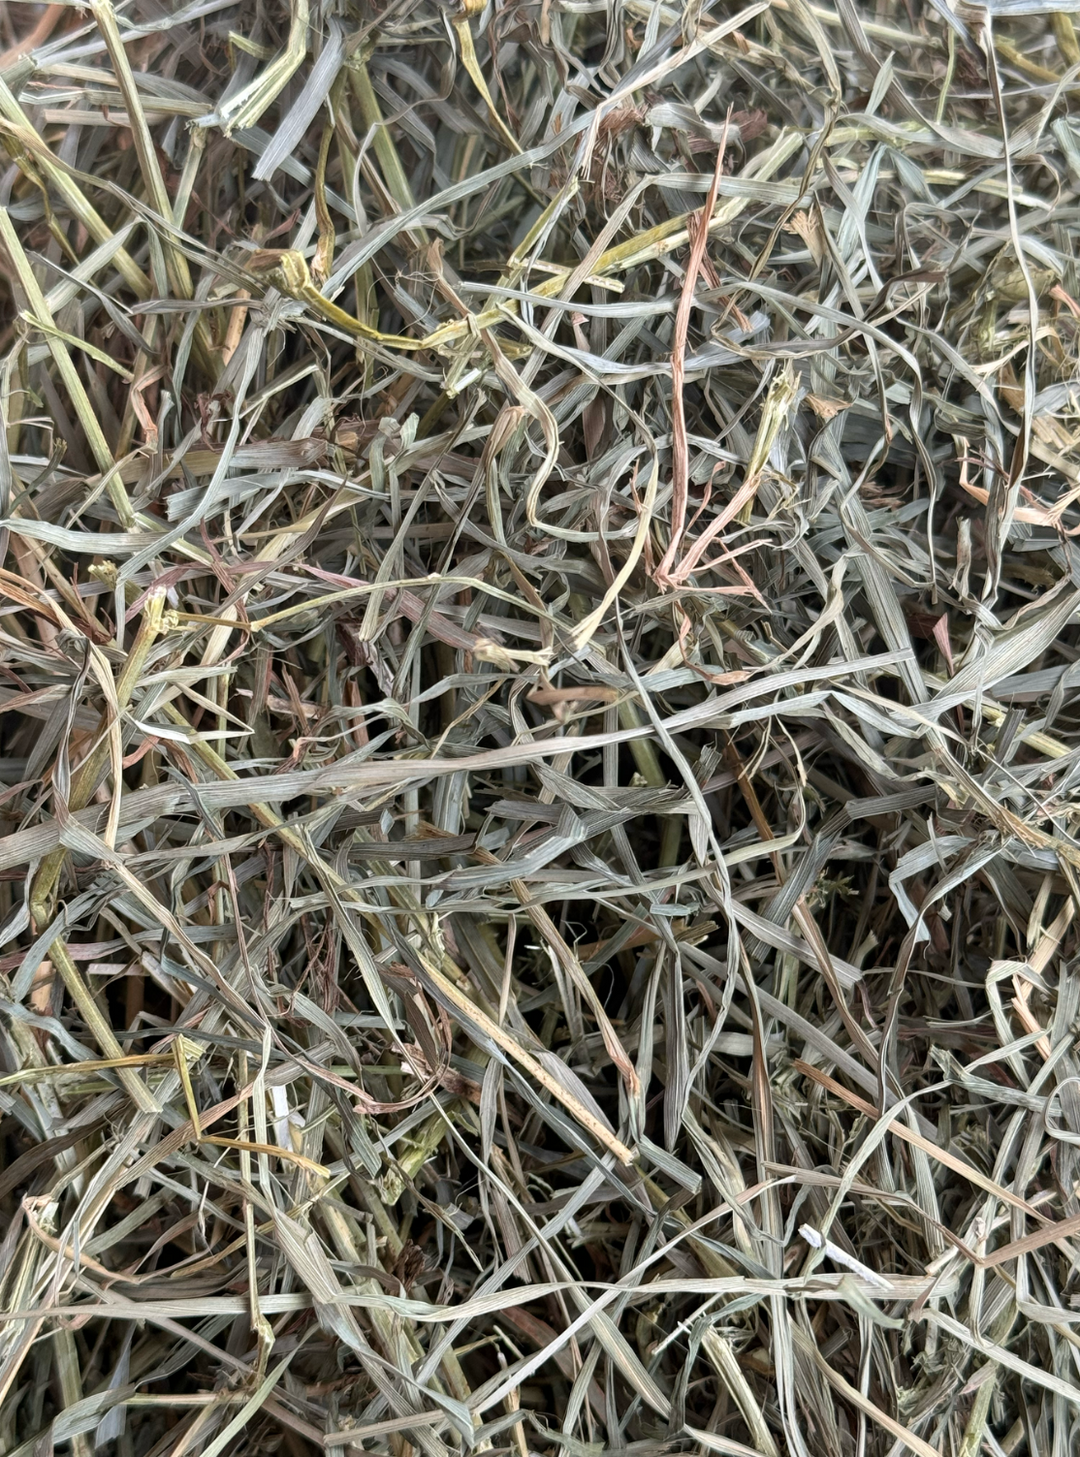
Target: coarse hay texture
x=539 y=729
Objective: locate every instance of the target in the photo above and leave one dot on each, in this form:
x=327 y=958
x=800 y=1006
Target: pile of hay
x=538 y=694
